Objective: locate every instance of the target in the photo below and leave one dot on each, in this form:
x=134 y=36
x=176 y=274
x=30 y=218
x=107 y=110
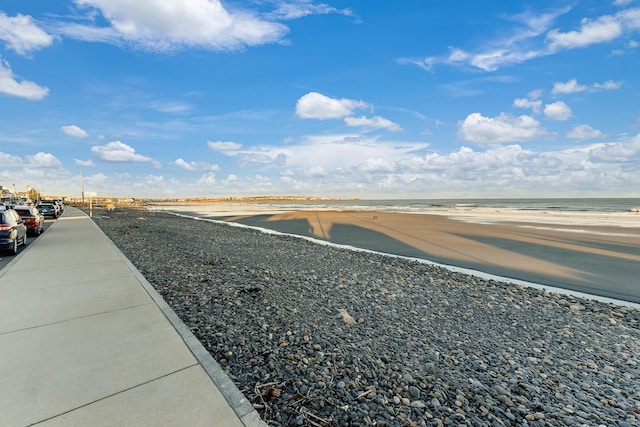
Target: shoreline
x=623 y=213
x=458 y=269
x=597 y=260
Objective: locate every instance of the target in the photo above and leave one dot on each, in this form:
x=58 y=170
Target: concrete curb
x=238 y=402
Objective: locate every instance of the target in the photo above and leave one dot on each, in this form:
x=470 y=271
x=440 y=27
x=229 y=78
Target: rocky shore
x=315 y=335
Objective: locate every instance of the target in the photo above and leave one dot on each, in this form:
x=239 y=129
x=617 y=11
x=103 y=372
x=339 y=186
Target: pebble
x=429 y=346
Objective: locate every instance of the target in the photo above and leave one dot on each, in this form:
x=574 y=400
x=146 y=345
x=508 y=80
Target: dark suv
x=48 y=210
x=12 y=231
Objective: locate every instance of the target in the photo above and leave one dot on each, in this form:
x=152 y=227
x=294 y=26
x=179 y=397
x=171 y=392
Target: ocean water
x=603 y=205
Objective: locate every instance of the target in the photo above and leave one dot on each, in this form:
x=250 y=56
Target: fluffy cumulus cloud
x=571 y=86
x=351 y=163
x=117 y=151
x=584 y=132
x=315 y=105
x=624 y=152
x=164 y=25
x=86 y=163
x=376 y=122
x=9 y=85
x=195 y=166
x=501 y=129
x=75 y=131
x=534 y=104
x=507 y=169
x=21 y=34
x=207 y=179
x=602 y=29
x=44 y=160
x=558 y=111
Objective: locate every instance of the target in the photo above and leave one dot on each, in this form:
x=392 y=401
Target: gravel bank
x=320 y=336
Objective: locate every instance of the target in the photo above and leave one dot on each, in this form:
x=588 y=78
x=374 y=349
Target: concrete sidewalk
x=85 y=340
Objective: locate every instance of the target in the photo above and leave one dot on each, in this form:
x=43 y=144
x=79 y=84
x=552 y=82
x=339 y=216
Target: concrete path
x=85 y=340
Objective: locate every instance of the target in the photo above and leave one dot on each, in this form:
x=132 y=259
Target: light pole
x=82 y=187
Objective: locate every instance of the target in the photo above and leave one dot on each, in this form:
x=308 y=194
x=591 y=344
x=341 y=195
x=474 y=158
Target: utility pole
x=82 y=187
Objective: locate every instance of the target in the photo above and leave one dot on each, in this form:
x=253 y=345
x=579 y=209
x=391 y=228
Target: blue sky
x=369 y=99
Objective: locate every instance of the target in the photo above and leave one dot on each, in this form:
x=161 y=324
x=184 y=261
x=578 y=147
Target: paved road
x=5 y=258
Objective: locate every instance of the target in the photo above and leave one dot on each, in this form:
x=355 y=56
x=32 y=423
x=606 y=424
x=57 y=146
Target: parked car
x=48 y=210
x=13 y=232
x=53 y=203
x=32 y=218
x=60 y=205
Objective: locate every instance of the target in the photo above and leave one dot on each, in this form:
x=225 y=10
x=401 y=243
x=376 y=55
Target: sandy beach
x=602 y=260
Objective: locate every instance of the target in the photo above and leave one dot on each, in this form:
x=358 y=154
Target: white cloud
x=535 y=94
x=558 y=111
x=295 y=9
x=164 y=26
x=117 y=151
x=330 y=152
x=23 y=89
x=96 y=179
x=525 y=42
x=376 y=122
x=194 y=166
x=625 y=152
x=224 y=146
x=503 y=128
x=608 y=85
x=44 y=160
x=571 y=86
x=86 y=163
x=602 y=29
x=208 y=178
x=512 y=49
x=351 y=164
x=21 y=34
x=10 y=161
x=534 y=104
x=315 y=105
x=75 y=131
x=584 y=133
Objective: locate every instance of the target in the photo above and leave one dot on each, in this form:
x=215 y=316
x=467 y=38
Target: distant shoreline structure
x=249 y=199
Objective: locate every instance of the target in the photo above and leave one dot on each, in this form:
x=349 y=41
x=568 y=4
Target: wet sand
x=598 y=260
